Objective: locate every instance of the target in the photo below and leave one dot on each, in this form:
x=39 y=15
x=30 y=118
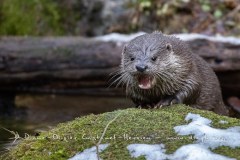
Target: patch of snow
x=117 y=37
x=235 y=129
x=187 y=152
x=196 y=152
x=89 y=154
x=217 y=38
x=223 y=122
x=151 y=152
x=208 y=136
x=186 y=1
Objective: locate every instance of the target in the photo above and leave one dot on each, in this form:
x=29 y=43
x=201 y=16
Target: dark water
x=41 y=113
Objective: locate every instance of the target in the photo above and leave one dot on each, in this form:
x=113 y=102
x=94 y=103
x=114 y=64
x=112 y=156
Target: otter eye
x=132 y=58
x=154 y=58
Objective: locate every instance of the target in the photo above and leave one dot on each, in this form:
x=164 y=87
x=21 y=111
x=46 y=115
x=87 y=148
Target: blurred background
x=52 y=71
x=98 y=17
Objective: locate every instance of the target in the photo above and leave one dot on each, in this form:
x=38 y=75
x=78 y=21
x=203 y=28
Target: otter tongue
x=145 y=82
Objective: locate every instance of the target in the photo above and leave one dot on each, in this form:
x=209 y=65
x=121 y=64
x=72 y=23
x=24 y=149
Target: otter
x=160 y=70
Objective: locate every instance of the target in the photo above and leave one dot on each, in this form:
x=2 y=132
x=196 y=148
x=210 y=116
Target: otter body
x=160 y=70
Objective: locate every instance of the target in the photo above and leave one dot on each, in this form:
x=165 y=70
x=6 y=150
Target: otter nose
x=141 y=68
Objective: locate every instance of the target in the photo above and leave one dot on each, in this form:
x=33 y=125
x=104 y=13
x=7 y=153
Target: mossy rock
x=153 y=126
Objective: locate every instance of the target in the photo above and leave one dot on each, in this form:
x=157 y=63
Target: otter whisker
x=129 y=79
x=114 y=76
x=117 y=80
x=158 y=69
x=120 y=80
x=116 y=71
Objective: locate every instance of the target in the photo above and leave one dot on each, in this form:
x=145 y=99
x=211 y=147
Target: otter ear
x=169 y=47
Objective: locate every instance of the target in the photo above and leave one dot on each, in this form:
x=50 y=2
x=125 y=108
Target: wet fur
x=182 y=77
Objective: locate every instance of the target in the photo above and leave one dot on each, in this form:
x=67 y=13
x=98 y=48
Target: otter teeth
x=148 y=86
x=146 y=82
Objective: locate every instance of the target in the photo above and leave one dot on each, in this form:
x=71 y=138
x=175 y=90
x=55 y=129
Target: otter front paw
x=166 y=102
x=142 y=104
x=145 y=106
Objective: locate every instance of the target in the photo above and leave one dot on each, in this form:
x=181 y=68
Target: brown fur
x=181 y=76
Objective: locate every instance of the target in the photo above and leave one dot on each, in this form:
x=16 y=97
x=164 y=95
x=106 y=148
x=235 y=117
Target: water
x=42 y=112
x=12 y=129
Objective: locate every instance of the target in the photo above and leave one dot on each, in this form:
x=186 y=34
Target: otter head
x=151 y=60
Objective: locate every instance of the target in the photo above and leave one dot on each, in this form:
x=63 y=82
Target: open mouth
x=146 y=81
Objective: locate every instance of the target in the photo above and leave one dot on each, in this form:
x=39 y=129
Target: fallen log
x=48 y=64
x=72 y=65
x=75 y=62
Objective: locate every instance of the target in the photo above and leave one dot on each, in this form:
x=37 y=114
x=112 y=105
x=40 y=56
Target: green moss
x=143 y=126
x=30 y=17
